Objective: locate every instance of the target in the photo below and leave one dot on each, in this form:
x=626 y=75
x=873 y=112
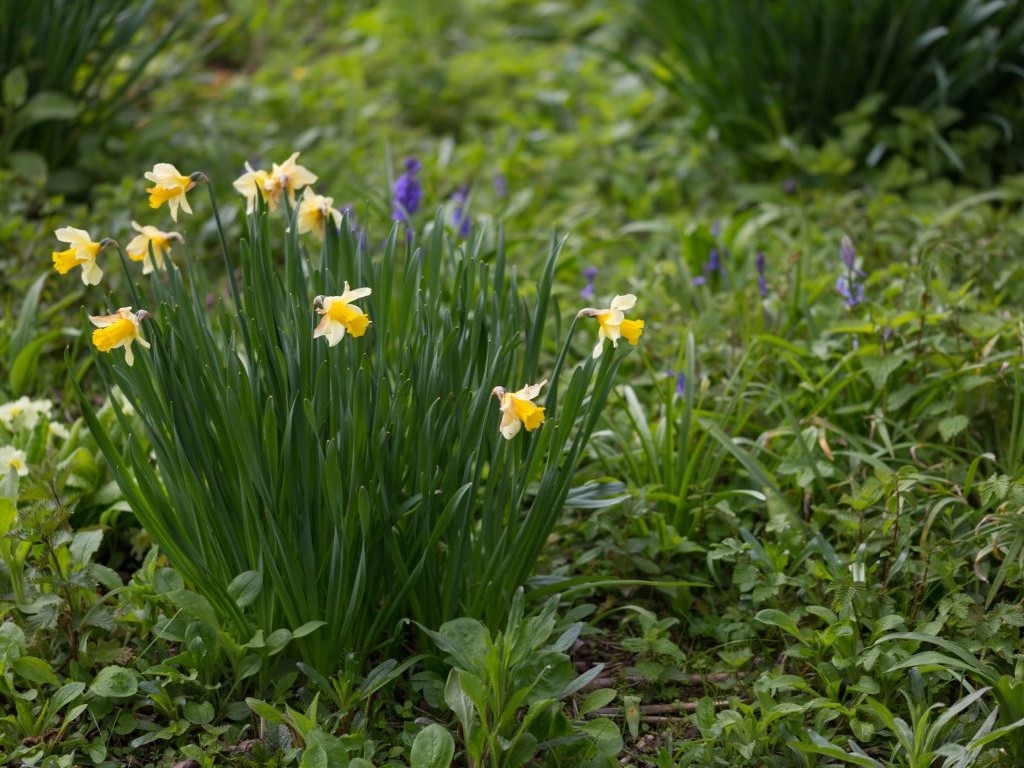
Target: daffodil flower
x=12 y=458
x=339 y=315
x=170 y=186
x=314 y=211
x=517 y=411
x=612 y=323
x=82 y=253
x=288 y=177
x=119 y=330
x=250 y=185
x=138 y=248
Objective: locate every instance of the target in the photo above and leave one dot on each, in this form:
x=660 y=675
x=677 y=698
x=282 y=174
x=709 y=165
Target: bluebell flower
x=500 y=185
x=408 y=192
x=851 y=284
x=762 y=280
x=680 y=382
x=789 y=185
x=460 y=216
x=589 y=274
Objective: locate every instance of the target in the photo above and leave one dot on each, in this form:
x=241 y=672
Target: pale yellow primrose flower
x=24 y=413
x=517 y=411
x=119 y=330
x=12 y=458
x=82 y=253
x=314 y=211
x=340 y=316
x=170 y=186
x=138 y=248
x=613 y=325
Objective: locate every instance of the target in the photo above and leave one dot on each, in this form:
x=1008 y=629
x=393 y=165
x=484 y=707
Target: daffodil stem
x=552 y=400
x=126 y=265
x=235 y=295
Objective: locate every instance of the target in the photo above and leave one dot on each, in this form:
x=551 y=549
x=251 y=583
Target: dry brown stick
x=647 y=710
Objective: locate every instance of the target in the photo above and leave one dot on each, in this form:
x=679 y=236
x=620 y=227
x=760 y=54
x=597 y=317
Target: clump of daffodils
x=612 y=323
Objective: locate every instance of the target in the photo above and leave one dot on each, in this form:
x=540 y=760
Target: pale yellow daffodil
x=288 y=177
x=517 y=411
x=82 y=253
x=119 y=330
x=170 y=186
x=339 y=315
x=251 y=185
x=314 y=212
x=138 y=247
x=612 y=323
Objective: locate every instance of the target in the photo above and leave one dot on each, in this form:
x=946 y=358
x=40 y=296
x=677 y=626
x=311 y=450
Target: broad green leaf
x=459 y=702
x=34 y=670
x=245 y=587
x=84 y=545
x=114 y=682
x=47 y=105
x=433 y=747
x=15 y=88
x=602 y=697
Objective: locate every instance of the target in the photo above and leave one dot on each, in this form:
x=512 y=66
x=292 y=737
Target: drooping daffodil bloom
x=82 y=253
x=13 y=458
x=170 y=186
x=612 y=323
x=518 y=411
x=340 y=315
x=138 y=248
x=314 y=212
x=119 y=330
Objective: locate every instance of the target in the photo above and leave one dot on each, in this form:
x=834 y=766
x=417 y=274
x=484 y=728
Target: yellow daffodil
x=170 y=186
x=250 y=185
x=119 y=330
x=12 y=458
x=517 y=411
x=82 y=253
x=339 y=315
x=138 y=248
x=287 y=177
x=314 y=211
x=612 y=323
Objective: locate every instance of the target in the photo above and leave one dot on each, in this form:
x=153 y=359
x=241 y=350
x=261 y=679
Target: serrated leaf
x=951 y=426
x=880 y=368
